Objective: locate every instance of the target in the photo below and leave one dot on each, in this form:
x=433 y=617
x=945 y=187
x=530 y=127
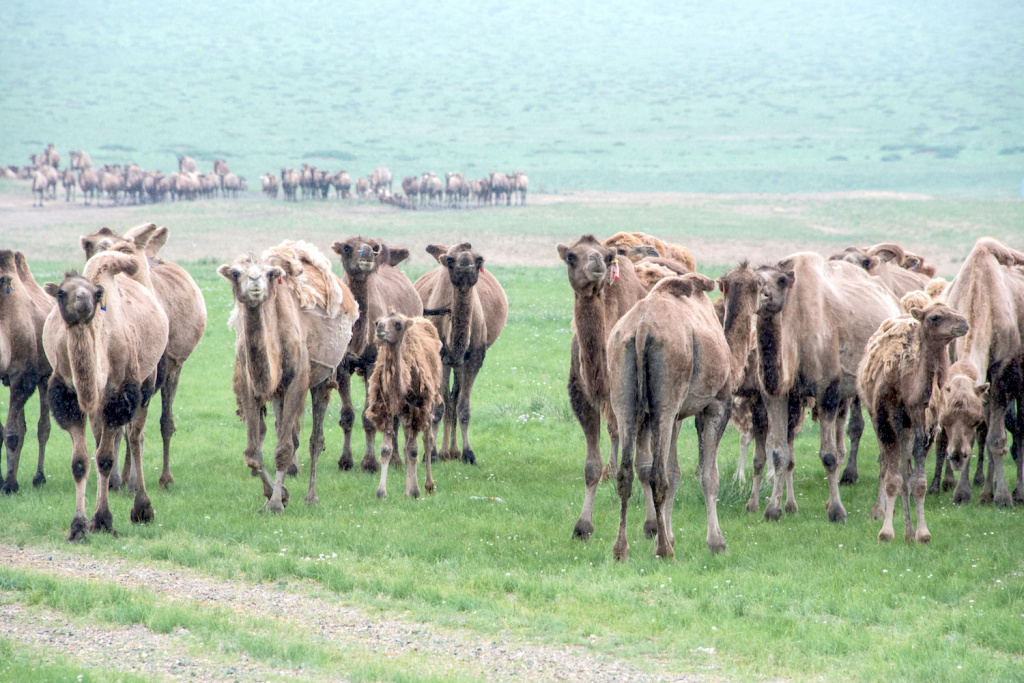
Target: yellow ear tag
x=103 y=301
x=615 y=268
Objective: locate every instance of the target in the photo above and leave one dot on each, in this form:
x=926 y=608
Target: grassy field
x=772 y=96
x=491 y=551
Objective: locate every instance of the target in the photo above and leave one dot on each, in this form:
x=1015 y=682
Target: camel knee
x=592 y=473
x=167 y=425
x=893 y=485
x=624 y=481
x=463 y=412
x=830 y=462
x=13 y=442
x=105 y=463
x=79 y=468
x=918 y=487
x=347 y=419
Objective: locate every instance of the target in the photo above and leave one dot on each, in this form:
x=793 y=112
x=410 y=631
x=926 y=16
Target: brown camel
x=628 y=244
x=89 y=183
x=989 y=292
x=468 y=307
x=289 y=183
x=67 y=179
x=814 y=319
x=404 y=387
x=104 y=339
x=293 y=319
x=959 y=413
x=378 y=288
x=187 y=164
x=903 y=363
x=411 y=188
x=916 y=263
x=604 y=288
x=669 y=358
x=23 y=363
x=182 y=301
x=886 y=262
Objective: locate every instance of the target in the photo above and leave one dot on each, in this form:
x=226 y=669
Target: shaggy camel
x=960 y=417
x=80 y=160
x=378 y=287
x=361 y=188
x=293 y=319
x=469 y=308
x=180 y=298
x=886 y=262
x=903 y=363
x=104 y=339
x=404 y=388
x=814 y=319
x=604 y=288
x=669 y=359
x=628 y=244
x=989 y=292
x=23 y=363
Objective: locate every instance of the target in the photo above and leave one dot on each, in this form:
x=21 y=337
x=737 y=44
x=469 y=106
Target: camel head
x=961 y=411
x=588 y=262
x=740 y=292
x=775 y=287
x=77 y=298
x=360 y=256
x=463 y=264
x=887 y=252
x=252 y=281
x=940 y=323
x=636 y=253
x=390 y=329
x=9 y=279
x=101 y=240
x=857 y=256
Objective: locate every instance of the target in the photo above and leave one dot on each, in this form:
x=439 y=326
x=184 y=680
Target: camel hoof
x=166 y=480
x=468 y=456
x=791 y=506
x=848 y=478
x=370 y=466
x=773 y=514
x=753 y=505
x=665 y=552
x=934 y=487
x=382 y=494
x=414 y=493
x=142 y=514
x=948 y=484
x=345 y=463
x=273 y=506
x=311 y=499
x=39 y=479
x=961 y=497
x=885 y=535
x=1018 y=497
x=876 y=514
x=293 y=470
x=650 y=528
x=979 y=478
x=9 y=487
x=451 y=454
x=985 y=498
x=923 y=536
x=583 y=530
x=79 y=529
x=114 y=482
x=620 y=551
x=716 y=545
x=1004 y=500
x=102 y=521
x=837 y=513
x=429 y=488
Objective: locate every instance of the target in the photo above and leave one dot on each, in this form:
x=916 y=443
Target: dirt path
x=446 y=651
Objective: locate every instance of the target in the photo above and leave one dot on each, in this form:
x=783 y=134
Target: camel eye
x=782 y=282
x=450 y=262
x=347 y=249
x=571 y=259
x=61 y=294
x=609 y=257
x=398 y=326
x=934 y=320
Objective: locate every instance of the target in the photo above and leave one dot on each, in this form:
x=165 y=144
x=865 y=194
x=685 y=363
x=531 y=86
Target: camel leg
x=167 y=394
x=465 y=382
x=831 y=456
x=369 y=462
x=995 y=477
x=796 y=415
x=675 y=475
x=320 y=397
x=854 y=429
x=412 y=488
x=760 y=432
x=388 y=448
x=941 y=459
x=642 y=464
x=777 y=410
x=981 y=437
x=428 y=441
x=142 y=510
x=631 y=438
x=102 y=520
x=710 y=427
x=888 y=445
x=124 y=477
x=589 y=417
x=80 y=471
x=661 y=439
x=612 y=426
x=22 y=386
x=42 y=429
x=450 y=393
x=287 y=413
x=918 y=486
x=347 y=418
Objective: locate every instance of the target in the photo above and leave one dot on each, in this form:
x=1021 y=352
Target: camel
x=886 y=262
x=989 y=292
x=342 y=183
x=628 y=244
x=411 y=188
x=468 y=307
x=519 y=183
x=269 y=185
x=378 y=287
x=289 y=183
x=293 y=320
x=186 y=165
x=361 y=188
x=89 y=182
x=39 y=186
x=104 y=339
x=67 y=179
x=604 y=288
x=404 y=387
x=23 y=363
x=453 y=186
x=381 y=180
x=80 y=160
x=180 y=298
x=904 y=362
x=669 y=358
x=813 y=321
x=916 y=263
x=959 y=416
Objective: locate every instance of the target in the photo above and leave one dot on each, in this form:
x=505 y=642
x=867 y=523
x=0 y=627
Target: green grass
x=799 y=599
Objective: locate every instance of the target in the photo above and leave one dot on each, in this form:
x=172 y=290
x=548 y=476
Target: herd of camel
x=931 y=361
x=135 y=185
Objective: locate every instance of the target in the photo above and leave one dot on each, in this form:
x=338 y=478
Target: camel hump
x=686 y=285
x=887 y=252
x=110 y=262
x=915 y=299
x=310 y=276
x=1002 y=253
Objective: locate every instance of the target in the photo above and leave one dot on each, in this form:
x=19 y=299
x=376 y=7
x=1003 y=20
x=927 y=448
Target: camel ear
x=86 y=245
x=701 y=283
x=791 y=276
x=396 y=255
x=51 y=288
x=980 y=390
x=437 y=251
x=97 y=296
x=917 y=313
x=562 y=249
x=141 y=234
x=157 y=241
x=337 y=247
x=479 y=262
x=723 y=286
x=230 y=272
x=887 y=252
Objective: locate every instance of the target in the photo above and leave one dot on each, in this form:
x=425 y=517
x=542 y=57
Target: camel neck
x=588 y=314
x=769 y=340
x=932 y=367
x=257 y=348
x=738 y=325
x=85 y=366
x=462 y=315
x=361 y=328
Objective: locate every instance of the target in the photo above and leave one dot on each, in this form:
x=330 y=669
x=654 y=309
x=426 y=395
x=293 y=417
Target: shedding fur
x=623 y=243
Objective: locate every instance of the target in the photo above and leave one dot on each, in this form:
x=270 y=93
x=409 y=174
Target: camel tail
x=642 y=404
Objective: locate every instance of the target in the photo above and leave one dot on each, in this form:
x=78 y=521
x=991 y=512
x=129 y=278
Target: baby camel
x=405 y=387
x=903 y=362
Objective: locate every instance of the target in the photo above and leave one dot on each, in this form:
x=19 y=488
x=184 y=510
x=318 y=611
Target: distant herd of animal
x=133 y=184
x=932 y=362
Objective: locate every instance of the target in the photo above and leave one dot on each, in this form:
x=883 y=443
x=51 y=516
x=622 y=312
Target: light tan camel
x=293 y=319
x=960 y=417
x=989 y=292
x=23 y=363
x=604 y=287
x=814 y=319
x=885 y=261
x=904 y=362
x=404 y=388
x=627 y=244
x=669 y=359
x=468 y=307
x=182 y=301
x=104 y=339
x=378 y=288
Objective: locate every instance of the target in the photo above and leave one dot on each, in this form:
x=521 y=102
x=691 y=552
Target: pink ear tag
x=615 y=269
x=280 y=280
